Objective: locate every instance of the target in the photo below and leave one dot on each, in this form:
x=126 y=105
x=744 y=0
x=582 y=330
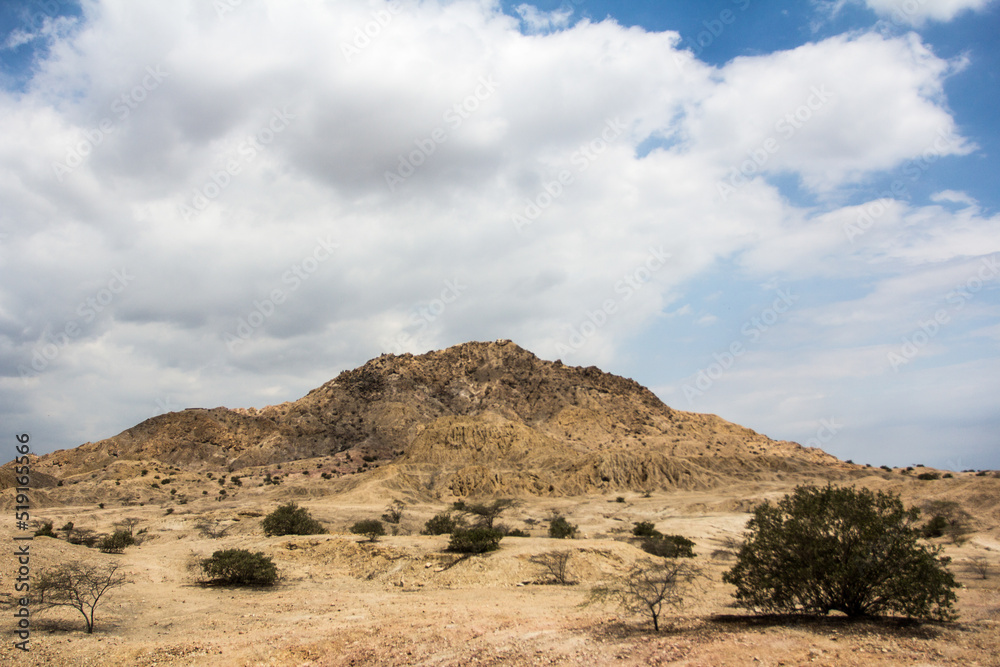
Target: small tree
x=78 y=585
x=128 y=525
x=840 y=549
x=239 y=567
x=475 y=540
x=291 y=519
x=487 y=512
x=980 y=565
x=649 y=587
x=443 y=524
x=370 y=528
x=561 y=529
x=555 y=564
x=394 y=513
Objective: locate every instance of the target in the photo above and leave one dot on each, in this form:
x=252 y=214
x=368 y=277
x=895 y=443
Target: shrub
x=291 y=519
x=555 y=564
x=475 y=540
x=840 y=549
x=620 y=499
x=928 y=476
x=668 y=546
x=517 y=532
x=487 y=512
x=935 y=527
x=45 y=530
x=239 y=567
x=370 y=528
x=561 y=529
x=116 y=542
x=443 y=524
x=645 y=529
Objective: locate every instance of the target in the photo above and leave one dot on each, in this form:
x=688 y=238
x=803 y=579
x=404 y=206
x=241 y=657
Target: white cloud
x=918 y=12
x=492 y=123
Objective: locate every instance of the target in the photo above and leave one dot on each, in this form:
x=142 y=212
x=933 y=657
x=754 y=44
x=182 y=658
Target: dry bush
x=555 y=564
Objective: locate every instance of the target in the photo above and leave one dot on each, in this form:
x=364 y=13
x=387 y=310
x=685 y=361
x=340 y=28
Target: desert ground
x=404 y=600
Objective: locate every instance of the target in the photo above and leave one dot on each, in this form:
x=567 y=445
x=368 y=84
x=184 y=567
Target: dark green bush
x=239 y=567
x=475 y=540
x=645 y=529
x=443 y=524
x=562 y=529
x=291 y=519
x=840 y=549
x=370 y=528
x=668 y=546
x=517 y=532
x=935 y=527
x=116 y=542
x=45 y=530
x=928 y=476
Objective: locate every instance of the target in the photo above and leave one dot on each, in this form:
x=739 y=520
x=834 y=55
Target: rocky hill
x=474 y=419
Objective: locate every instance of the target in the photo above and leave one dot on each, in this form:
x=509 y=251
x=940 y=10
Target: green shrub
x=45 y=530
x=291 y=519
x=370 y=528
x=239 y=567
x=840 y=549
x=517 y=532
x=475 y=540
x=443 y=524
x=116 y=542
x=561 y=529
x=668 y=546
x=935 y=527
x=645 y=529
x=928 y=476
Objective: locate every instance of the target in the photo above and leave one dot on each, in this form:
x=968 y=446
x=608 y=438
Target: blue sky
x=784 y=213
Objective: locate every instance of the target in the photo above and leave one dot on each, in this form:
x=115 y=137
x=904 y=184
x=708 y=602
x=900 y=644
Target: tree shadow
x=895 y=626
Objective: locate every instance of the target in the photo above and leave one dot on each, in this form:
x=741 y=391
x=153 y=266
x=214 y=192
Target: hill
x=474 y=419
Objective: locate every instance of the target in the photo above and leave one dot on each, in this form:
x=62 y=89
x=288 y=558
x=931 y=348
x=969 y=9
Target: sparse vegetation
x=980 y=565
x=78 y=585
x=290 y=519
x=476 y=540
x=840 y=549
x=239 y=567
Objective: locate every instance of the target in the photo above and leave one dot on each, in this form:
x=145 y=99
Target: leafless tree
x=78 y=585
x=980 y=565
x=648 y=587
x=555 y=564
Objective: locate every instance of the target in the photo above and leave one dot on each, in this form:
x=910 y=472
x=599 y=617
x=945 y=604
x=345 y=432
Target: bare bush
x=649 y=587
x=555 y=564
x=980 y=565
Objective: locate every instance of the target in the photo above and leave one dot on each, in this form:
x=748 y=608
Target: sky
x=784 y=213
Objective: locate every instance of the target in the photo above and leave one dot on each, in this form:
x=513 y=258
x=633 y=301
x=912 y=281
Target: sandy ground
x=405 y=601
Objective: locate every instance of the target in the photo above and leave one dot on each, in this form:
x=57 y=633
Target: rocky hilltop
x=474 y=419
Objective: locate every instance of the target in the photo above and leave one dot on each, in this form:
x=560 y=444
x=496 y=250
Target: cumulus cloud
x=208 y=207
x=917 y=12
